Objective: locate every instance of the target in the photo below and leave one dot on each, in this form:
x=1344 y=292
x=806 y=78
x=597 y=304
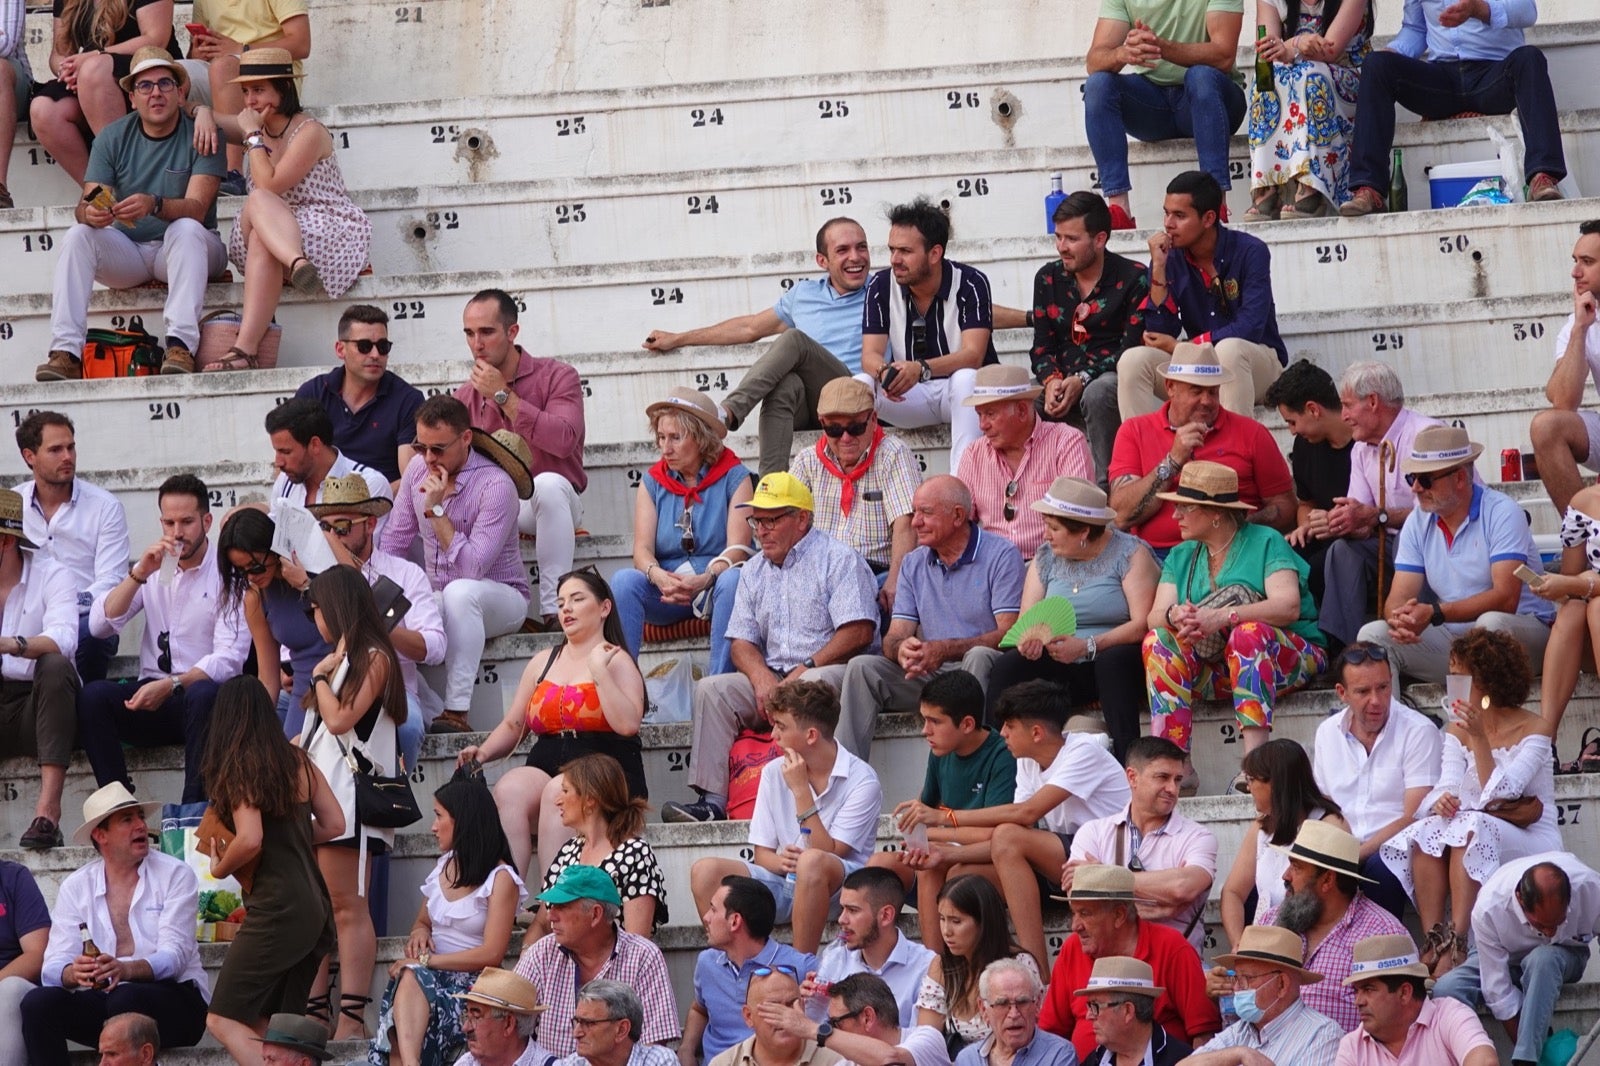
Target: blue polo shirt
x=373 y=435
x=1458 y=566
x=719 y=988
x=818 y=310
x=961 y=600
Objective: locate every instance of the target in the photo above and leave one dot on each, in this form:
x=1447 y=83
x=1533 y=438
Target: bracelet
x=1093 y=648
x=424 y=957
x=1170 y=623
x=802 y=817
x=950 y=814
x=1027 y=318
x=652 y=568
x=319 y=677
x=137 y=580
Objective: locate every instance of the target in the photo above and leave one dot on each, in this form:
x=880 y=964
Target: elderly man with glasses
x=499 y=1017
x=1275 y=1025
x=1120 y=1002
x=148 y=211
x=1011 y=996
x=606 y=1022
x=1464 y=544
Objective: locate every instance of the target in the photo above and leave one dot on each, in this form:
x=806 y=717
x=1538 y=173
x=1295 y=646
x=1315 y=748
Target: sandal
x=1588 y=760
x=321 y=1007
x=304 y=278
x=1264 y=208
x=1434 y=943
x=1308 y=204
x=235 y=359
x=354 y=1007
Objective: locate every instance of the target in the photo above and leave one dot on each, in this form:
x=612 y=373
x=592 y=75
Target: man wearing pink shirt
x=541 y=400
x=1400 y=1025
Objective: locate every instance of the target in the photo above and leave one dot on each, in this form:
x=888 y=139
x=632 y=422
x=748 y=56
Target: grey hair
x=620 y=1000
x=1000 y=966
x=527 y=1024
x=1372 y=378
x=610 y=911
x=138 y=1030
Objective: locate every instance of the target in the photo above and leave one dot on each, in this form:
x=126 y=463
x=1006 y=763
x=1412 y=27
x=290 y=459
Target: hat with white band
x=1196 y=364
x=1001 y=382
x=1385 y=956
x=1440 y=448
x=1120 y=973
x=691 y=403
x=1077 y=500
x=1274 y=946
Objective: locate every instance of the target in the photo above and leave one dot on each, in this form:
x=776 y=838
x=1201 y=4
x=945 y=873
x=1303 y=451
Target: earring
x=1216 y=522
x=1083 y=541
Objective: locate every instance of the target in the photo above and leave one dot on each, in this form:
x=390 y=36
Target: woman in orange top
x=585 y=695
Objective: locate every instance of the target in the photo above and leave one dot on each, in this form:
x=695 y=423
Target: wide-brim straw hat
x=1000 y=382
x=1207 y=484
x=1274 y=945
x=503 y=990
x=692 y=404
x=1323 y=844
x=1196 y=364
x=305 y=1035
x=1386 y=956
x=103 y=803
x=1440 y=448
x=1122 y=975
x=11 y=518
x=266 y=64
x=1076 y=500
x=1096 y=882
x=844 y=396
x=507 y=450
x=349 y=495
x=149 y=58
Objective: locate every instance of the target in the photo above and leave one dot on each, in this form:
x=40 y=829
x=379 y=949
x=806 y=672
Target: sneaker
x=450 y=722
x=1120 y=219
x=60 y=366
x=6 y=203
x=1543 y=188
x=1363 y=202
x=233 y=185
x=42 y=835
x=179 y=360
x=701 y=810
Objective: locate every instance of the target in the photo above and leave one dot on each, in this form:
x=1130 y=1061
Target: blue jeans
x=638 y=602
x=1209 y=106
x=1438 y=90
x=1540 y=974
x=94 y=653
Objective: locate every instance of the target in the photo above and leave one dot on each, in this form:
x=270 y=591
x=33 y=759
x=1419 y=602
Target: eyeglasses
x=1135 y=865
x=763 y=525
x=164 y=645
x=146 y=87
x=1010 y=509
x=1241 y=981
x=1356 y=654
x=339 y=527
x=257 y=567
x=1092 y=1009
x=435 y=450
x=855 y=429
x=589 y=1023
x=365 y=345
x=844 y=1017
x=1004 y=1005
x=685 y=526
x=1181 y=509
x=1219 y=289
x=1425 y=481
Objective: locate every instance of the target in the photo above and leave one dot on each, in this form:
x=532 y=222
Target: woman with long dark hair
x=355 y=700
x=278 y=806
x=972 y=921
x=469 y=908
x=584 y=695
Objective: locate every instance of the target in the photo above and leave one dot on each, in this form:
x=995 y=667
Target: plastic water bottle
x=169 y=565
x=1229 y=1015
x=1051 y=202
x=805 y=842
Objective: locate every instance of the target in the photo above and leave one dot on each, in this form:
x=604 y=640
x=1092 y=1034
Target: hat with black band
x=1326 y=845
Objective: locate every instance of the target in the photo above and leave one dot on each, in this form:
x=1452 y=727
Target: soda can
x=1511 y=464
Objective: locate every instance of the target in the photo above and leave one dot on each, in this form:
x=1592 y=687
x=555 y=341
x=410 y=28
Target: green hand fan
x=1054 y=611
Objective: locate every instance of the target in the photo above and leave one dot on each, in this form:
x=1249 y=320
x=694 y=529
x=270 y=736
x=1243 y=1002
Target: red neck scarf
x=848 y=478
x=664 y=477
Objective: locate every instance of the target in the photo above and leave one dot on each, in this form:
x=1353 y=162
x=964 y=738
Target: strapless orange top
x=558 y=708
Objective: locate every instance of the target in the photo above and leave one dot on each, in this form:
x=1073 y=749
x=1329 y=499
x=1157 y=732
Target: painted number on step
x=707 y=382
x=747 y=853
x=7 y=331
x=404 y=309
x=571 y=127
x=488 y=674
x=702 y=205
x=833 y=108
x=660 y=296
x=1094 y=179
x=1236 y=169
x=835 y=196
x=407 y=15
x=8 y=791
x=922 y=462
x=1567 y=813
x=1332 y=253
x=574 y=213
x=677 y=761
x=1055 y=941
x=444 y=220
x=956 y=100
x=433 y=390
x=133 y=322
x=1230 y=733
x=418 y=774
x=220 y=498
x=522 y=305
x=36 y=35
x=533 y=573
x=972 y=186
x=588 y=389
x=1211 y=940
x=443 y=134
x=889 y=847
x=1458 y=243
x=634 y=478
x=38 y=157
x=165 y=412
x=18 y=415
x=279 y=401
x=341 y=139
x=702 y=117
x=786 y=283
x=1526 y=331
x=1388 y=342
x=41 y=242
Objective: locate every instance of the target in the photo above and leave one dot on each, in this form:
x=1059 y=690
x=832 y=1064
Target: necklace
x=286 y=124
x=1214 y=560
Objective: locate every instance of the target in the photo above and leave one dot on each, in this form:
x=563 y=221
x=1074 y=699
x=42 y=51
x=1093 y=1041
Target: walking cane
x=1385 y=468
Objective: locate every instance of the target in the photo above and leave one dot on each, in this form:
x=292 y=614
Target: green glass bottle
x=1264 y=80
x=1399 y=198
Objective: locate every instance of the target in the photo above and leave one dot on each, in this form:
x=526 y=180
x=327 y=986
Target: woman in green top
x=1269 y=646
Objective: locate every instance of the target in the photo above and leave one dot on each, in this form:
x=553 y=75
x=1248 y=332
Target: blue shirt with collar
x=1472 y=40
x=373 y=435
x=1459 y=565
x=719 y=990
x=1045 y=1049
x=827 y=316
x=1246 y=308
x=961 y=601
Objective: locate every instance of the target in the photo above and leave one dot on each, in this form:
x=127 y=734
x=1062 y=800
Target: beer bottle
x=1264 y=79
x=1398 y=195
x=92 y=952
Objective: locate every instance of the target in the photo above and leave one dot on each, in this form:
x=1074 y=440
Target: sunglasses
x=339 y=527
x=1010 y=509
x=685 y=525
x=433 y=449
x=844 y=1017
x=1356 y=654
x=146 y=87
x=1080 y=332
x=164 y=660
x=1425 y=481
x=768 y=971
x=855 y=429
x=257 y=567
x=919 y=340
x=365 y=346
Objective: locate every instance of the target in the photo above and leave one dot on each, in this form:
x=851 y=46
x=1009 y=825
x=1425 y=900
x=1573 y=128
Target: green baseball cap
x=582 y=882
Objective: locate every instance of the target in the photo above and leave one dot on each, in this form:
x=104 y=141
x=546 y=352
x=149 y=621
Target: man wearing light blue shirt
x=818 y=323
x=1477 y=61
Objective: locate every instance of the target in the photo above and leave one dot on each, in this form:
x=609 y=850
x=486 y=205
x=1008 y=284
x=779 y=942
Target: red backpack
x=750 y=752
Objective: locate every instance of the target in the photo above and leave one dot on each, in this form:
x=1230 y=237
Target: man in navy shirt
x=374 y=410
x=1214 y=284
x=818 y=323
x=24 y=931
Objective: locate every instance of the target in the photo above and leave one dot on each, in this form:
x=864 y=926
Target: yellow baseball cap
x=777 y=491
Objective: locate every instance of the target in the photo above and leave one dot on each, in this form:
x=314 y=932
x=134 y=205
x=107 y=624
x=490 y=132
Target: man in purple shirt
x=540 y=400
x=459 y=495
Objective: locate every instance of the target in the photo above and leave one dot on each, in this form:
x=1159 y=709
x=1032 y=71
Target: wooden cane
x=1385 y=468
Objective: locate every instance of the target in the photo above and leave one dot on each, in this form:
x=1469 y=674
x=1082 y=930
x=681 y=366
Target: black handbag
x=381 y=802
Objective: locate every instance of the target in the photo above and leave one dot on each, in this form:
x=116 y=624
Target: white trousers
x=12 y=989
x=185 y=258
x=933 y=403
x=551 y=517
x=474 y=611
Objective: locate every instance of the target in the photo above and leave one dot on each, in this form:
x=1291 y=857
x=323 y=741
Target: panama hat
x=349 y=495
x=1392 y=955
x=1196 y=364
x=503 y=990
x=265 y=64
x=305 y=1035
x=1094 y=882
x=1119 y=973
x=103 y=803
x=1000 y=382
x=1274 y=945
x=148 y=58
x=691 y=403
x=1207 y=484
x=11 y=518
x=1328 y=846
x=1440 y=448
x=507 y=450
x=1077 y=500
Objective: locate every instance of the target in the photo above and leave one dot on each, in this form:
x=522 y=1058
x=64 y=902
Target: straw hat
x=507 y=450
x=692 y=403
x=1093 y=882
x=1000 y=382
x=305 y=1035
x=1386 y=956
x=779 y=490
x=149 y=58
x=1119 y=973
x=11 y=518
x=1328 y=846
x=1208 y=484
x=349 y=495
x=103 y=803
x=1077 y=500
x=844 y=396
x=1439 y=448
x=503 y=990
x=266 y=64
x=1196 y=364
x=1274 y=945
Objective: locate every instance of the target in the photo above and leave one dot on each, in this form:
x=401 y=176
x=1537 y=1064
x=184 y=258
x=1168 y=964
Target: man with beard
x=1324 y=904
x=869 y=941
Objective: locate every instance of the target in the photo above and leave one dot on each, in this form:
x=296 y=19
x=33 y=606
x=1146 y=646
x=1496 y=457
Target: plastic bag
x=1559 y=1049
x=670 y=689
x=179 y=839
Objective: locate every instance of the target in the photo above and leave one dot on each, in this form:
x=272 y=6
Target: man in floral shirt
x=1085 y=312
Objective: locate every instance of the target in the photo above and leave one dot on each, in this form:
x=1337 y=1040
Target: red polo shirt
x=1242 y=444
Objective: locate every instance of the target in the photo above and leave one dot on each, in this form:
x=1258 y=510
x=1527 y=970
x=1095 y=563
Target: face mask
x=1245 y=1006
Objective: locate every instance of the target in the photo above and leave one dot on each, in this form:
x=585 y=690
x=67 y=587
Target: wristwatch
x=501 y=397
x=824 y=1030
x=160 y=202
x=437 y=510
x=1165 y=470
x=1438 y=616
x=1085 y=377
x=809 y=664
x=927 y=371
x=177 y=685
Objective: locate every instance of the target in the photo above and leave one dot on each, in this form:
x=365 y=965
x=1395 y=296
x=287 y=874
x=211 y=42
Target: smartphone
x=1529 y=576
x=197 y=29
x=100 y=197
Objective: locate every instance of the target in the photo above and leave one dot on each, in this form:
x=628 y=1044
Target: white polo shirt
x=1370 y=787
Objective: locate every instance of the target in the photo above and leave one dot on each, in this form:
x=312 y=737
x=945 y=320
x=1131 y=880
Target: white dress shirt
x=200 y=633
x=1503 y=935
x=1370 y=787
x=47 y=606
x=422 y=616
x=88 y=535
x=161 y=919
